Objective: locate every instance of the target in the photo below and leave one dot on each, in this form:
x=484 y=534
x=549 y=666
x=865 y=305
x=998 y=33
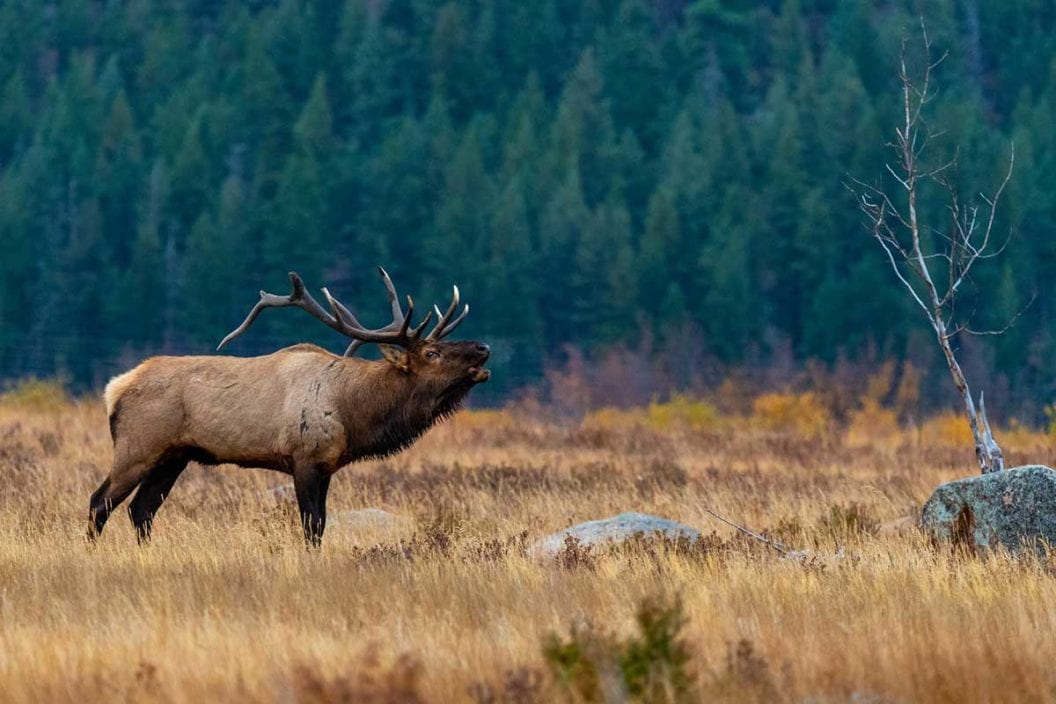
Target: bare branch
x=1008 y=325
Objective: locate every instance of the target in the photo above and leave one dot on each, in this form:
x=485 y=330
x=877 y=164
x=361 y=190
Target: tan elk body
x=302 y=410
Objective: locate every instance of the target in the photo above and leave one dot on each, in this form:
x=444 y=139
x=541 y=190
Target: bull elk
x=301 y=410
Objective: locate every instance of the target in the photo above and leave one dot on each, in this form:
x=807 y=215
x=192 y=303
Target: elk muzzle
x=479 y=357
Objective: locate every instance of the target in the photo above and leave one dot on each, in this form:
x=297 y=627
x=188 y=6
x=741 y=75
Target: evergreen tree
x=582 y=135
x=15 y=115
x=563 y=221
x=661 y=259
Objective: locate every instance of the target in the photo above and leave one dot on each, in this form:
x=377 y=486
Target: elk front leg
x=311 y=484
x=324 y=489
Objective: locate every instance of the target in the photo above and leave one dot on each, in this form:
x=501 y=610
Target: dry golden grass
x=226 y=604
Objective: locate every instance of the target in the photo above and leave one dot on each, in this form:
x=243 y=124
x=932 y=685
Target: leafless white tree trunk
x=897 y=227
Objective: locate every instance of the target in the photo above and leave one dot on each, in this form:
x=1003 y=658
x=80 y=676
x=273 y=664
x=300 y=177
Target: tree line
x=591 y=173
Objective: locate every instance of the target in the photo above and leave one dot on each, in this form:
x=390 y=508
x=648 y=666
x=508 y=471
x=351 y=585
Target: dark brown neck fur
x=385 y=410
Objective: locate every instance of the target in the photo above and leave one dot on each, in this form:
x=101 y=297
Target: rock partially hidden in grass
x=615 y=529
x=1015 y=509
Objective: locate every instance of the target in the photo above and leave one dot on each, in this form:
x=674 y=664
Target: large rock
x=1015 y=509
x=616 y=529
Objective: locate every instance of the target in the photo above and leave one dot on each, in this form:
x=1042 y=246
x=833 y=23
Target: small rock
x=616 y=529
x=1013 y=508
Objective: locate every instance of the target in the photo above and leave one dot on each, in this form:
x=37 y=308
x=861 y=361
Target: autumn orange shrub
x=949 y=429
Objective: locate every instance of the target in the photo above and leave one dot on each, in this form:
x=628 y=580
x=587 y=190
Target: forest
x=663 y=178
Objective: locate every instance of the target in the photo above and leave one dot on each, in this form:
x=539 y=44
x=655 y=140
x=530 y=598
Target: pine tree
x=582 y=135
x=119 y=168
x=631 y=65
x=562 y=223
x=728 y=310
x=604 y=263
x=661 y=257
x=509 y=302
x=14 y=115
x=143 y=281
x=465 y=207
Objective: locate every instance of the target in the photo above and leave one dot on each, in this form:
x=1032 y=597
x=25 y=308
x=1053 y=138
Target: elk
x=301 y=410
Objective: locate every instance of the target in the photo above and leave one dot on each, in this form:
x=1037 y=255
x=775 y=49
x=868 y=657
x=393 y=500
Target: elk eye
x=432 y=354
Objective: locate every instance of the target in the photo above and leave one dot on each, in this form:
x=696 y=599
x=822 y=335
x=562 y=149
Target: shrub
x=746 y=678
x=36 y=395
x=871 y=424
x=650 y=666
x=372 y=682
x=948 y=429
x=682 y=411
x=1050 y=416
x=489 y=419
x=802 y=414
x=850 y=521
x=613 y=420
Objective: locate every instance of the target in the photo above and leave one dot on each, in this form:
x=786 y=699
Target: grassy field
x=446 y=603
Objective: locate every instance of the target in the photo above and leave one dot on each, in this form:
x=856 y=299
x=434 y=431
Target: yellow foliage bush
x=484 y=419
x=802 y=414
x=949 y=429
x=1020 y=437
x=1050 y=415
x=36 y=395
x=871 y=425
x=608 y=419
x=682 y=411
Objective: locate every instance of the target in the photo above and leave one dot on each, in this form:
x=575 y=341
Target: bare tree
x=933 y=264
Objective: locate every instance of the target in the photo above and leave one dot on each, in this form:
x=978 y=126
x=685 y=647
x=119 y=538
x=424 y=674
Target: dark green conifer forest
x=663 y=177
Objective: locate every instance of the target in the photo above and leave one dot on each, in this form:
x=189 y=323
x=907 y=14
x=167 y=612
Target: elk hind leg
x=152 y=492
x=124 y=477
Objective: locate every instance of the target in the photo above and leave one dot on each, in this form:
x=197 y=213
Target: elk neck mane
x=389 y=408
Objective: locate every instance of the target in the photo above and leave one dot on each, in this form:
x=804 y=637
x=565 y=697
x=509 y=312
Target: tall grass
x=449 y=604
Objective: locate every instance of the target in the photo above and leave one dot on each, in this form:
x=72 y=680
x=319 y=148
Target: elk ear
x=397 y=357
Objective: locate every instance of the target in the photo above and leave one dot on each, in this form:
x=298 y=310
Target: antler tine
x=417 y=331
x=340 y=311
x=298 y=298
x=394 y=298
x=406 y=322
x=438 y=332
x=455 y=323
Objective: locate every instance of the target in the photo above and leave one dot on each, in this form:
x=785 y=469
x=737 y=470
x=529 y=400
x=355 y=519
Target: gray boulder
x=615 y=529
x=1015 y=508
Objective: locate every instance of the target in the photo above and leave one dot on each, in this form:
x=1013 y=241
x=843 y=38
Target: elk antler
x=398 y=332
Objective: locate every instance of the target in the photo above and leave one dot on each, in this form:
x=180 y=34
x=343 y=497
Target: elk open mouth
x=479 y=375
